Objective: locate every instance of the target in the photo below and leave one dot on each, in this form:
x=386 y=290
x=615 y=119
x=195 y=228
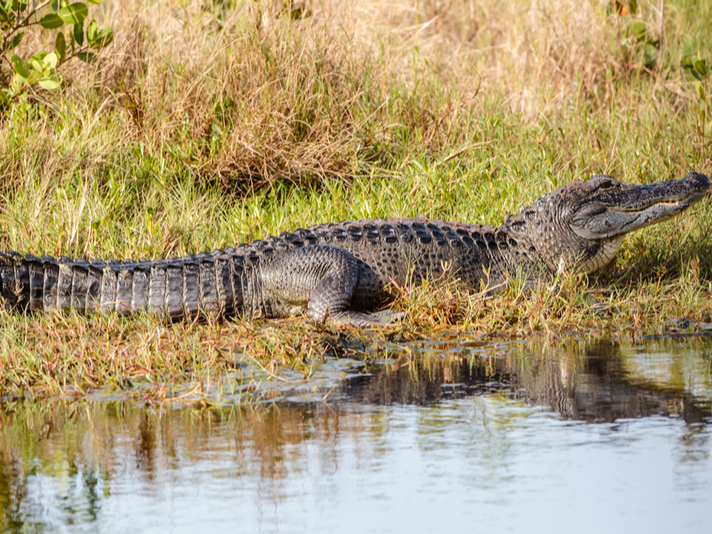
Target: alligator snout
x=697 y=181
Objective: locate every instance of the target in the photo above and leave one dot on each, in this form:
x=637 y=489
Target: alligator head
x=580 y=226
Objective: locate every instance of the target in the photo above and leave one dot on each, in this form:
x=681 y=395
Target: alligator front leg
x=321 y=278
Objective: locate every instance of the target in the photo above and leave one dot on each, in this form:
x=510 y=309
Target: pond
x=585 y=435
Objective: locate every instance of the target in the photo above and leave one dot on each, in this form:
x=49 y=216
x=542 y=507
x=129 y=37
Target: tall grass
x=245 y=93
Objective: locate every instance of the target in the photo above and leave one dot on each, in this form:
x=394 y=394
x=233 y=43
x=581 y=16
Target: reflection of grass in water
x=202 y=128
x=71 y=441
x=65 y=439
x=673 y=364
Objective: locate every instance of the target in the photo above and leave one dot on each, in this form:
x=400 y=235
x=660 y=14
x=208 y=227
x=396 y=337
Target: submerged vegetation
x=205 y=124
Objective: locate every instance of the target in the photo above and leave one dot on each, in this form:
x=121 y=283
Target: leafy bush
x=18 y=74
x=647 y=42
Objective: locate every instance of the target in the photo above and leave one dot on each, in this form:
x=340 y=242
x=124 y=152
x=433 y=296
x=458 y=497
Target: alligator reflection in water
x=608 y=385
x=113 y=463
x=589 y=381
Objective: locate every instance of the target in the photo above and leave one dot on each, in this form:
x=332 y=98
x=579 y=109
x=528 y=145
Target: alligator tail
x=177 y=288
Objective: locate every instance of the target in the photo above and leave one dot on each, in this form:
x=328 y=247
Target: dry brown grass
x=248 y=94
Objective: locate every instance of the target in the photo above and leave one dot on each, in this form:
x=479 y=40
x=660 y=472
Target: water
x=459 y=437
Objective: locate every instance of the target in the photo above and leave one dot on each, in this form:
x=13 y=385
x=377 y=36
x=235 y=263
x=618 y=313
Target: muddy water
x=445 y=436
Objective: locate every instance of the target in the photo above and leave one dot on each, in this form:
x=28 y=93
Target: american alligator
x=339 y=271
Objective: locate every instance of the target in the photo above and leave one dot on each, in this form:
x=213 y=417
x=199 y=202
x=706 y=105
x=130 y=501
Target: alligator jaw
x=623 y=208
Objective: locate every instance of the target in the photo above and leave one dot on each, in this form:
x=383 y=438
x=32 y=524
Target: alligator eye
x=606 y=185
x=596 y=210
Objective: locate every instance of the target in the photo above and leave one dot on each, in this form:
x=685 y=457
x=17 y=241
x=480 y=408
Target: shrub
x=18 y=75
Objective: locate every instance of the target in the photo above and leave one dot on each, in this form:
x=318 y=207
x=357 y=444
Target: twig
x=465 y=149
x=38 y=8
x=646 y=69
x=661 y=29
x=22 y=23
x=323 y=399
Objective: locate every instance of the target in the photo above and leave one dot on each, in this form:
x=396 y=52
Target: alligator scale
x=337 y=272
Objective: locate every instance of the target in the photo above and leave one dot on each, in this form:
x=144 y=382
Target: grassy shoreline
x=202 y=128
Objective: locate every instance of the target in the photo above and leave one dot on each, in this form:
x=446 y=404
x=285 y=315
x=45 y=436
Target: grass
x=205 y=125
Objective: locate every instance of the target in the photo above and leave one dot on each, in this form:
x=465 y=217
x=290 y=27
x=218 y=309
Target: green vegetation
x=18 y=75
x=207 y=124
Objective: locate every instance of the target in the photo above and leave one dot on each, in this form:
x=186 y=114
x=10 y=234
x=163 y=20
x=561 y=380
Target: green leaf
x=95 y=2
x=74 y=13
x=15 y=40
x=103 y=38
x=51 y=21
x=87 y=57
x=91 y=31
x=50 y=83
x=638 y=29
x=265 y=53
x=38 y=56
x=696 y=75
x=50 y=60
x=22 y=72
x=700 y=91
x=4 y=17
x=633 y=6
x=16 y=85
x=60 y=46
x=78 y=33
x=650 y=55
x=20 y=68
x=687 y=48
x=701 y=67
x=54 y=4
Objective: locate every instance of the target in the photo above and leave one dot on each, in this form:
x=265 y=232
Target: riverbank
x=202 y=128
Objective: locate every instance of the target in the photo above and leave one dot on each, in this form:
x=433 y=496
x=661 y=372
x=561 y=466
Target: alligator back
x=395 y=249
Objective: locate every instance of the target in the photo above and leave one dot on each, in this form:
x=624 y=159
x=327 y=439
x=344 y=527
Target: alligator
x=340 y=271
